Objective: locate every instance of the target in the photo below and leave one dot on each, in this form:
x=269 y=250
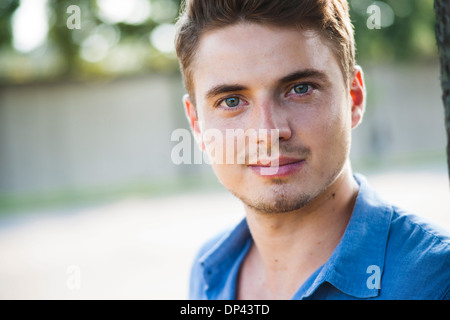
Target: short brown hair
x=329 y=17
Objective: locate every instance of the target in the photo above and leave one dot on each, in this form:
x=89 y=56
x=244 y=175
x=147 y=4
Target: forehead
x=253 y=54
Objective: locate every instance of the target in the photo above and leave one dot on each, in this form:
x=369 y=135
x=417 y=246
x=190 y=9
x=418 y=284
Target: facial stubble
x=284 y=200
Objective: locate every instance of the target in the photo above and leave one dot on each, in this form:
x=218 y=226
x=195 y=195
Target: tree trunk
x=442 y=9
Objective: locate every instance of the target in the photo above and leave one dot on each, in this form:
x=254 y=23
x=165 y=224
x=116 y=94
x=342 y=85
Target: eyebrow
x=294 y=76
x=224 y=88
x=302 y=74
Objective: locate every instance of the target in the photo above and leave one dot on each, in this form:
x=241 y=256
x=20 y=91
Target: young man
x=313 y=230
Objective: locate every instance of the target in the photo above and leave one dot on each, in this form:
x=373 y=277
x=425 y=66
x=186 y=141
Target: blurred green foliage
x=7 y=8
x=410 y=37
x=407 y=35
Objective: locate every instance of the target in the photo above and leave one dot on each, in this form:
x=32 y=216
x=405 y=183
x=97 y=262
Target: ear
x=358 y=96
x=191 y=115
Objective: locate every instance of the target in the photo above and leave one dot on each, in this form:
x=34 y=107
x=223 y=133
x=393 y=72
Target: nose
x=273 y=117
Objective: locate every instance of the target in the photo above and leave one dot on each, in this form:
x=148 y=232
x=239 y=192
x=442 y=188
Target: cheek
x=228 y=141
x=336 y=139
x=228 y=151
x=325 y=130
x=230 y=176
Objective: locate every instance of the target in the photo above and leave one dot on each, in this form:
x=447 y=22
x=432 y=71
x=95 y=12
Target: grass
x=50 y=199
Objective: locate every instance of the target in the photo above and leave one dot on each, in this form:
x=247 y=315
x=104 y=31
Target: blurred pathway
x=143 y=248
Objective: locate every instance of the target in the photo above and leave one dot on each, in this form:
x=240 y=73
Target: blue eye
x=301 y=88
x=232 y=102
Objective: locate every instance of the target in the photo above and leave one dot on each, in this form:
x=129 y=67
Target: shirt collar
x=222 y=258
x=361 y=250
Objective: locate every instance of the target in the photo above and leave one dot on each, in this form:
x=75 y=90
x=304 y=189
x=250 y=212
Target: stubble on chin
x=277 y=203
x=282 y=200
x=280 y=204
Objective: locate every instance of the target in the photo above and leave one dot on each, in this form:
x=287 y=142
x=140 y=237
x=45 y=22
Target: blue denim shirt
x=385 y=253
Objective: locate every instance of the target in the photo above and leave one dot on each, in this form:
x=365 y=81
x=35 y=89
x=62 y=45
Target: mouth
x=277 y=168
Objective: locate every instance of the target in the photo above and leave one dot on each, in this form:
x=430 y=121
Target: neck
x=288 y=247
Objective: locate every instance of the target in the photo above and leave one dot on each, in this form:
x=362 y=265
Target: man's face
x=248 y=76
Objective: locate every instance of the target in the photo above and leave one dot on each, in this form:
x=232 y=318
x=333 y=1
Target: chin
x=276 y=200
x=280 y=205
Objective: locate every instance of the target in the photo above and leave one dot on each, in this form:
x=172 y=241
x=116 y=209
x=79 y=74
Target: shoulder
x=417 y=256
x=416 y=231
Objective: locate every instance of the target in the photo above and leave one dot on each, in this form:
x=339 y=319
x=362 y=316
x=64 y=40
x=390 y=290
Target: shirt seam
x=443 y=295
x=435 y=236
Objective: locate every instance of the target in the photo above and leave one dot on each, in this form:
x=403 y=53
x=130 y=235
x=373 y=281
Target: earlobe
x=191 y=115
x=358 y=96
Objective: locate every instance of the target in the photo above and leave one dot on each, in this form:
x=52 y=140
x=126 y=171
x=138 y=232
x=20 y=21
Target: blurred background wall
x=90 y=94
x=82 y=136
x=87 y=106
x=113 y=135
